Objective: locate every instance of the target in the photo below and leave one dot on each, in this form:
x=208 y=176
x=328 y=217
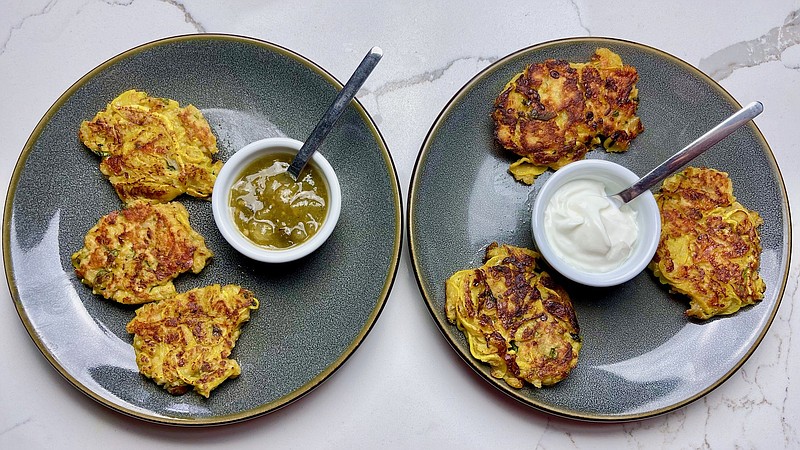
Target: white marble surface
x=420 y=394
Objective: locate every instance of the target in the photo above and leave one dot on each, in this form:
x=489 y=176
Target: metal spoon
x=688 y=153
x=335 y=111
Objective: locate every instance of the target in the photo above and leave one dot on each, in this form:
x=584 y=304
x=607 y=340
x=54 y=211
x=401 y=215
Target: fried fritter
x=152 y=149
x=131 y=256
x=710 y=247
x=555 y=111
x=186 y=340
x=515 y=317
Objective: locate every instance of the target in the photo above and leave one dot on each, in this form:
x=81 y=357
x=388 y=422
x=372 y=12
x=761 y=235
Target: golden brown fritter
x=152 y=149
x=710 y=247
x=131 y=256
x=186 y=340
x=555 y=111
x=515 y=317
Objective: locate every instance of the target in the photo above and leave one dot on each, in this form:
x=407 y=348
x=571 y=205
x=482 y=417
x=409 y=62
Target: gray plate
x=641 y=355
x=314 y=312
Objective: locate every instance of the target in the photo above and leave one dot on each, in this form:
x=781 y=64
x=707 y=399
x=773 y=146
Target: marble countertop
x=423 y=396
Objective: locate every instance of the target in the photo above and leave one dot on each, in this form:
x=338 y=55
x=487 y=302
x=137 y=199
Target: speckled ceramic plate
x=314 y=312
x=641 y=355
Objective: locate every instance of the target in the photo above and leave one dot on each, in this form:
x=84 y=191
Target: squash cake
x=185 y=341
x=152 y=149
x=555 y=111
x=515 y=317
x=131 y=256
x=710 y=247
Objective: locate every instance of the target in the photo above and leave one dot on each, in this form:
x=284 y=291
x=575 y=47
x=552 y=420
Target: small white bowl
x=615 y=178
x=220 y=201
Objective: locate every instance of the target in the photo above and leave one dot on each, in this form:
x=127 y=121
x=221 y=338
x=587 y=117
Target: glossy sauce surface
x=273 y=210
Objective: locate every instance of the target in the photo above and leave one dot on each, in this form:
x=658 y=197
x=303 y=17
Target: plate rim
x=301 y=391
x=446 y=328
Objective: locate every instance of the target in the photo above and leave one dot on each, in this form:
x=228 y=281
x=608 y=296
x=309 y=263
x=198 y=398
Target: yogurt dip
x=586 y=230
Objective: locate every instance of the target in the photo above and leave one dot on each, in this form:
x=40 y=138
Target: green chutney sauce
x=273 y=210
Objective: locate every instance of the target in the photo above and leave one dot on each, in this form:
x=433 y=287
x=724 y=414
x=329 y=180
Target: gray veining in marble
x=767 y=47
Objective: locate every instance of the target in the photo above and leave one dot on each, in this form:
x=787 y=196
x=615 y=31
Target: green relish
x=273 y=210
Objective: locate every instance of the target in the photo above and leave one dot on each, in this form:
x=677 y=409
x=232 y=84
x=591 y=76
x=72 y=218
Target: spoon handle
x=335 y=111
x=691 y=151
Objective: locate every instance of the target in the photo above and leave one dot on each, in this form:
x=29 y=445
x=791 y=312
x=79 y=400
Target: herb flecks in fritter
x=515 y=317
x=555 y=111
x=710 y=247
x=152 y=149
x=185 y=341
x=131 y=256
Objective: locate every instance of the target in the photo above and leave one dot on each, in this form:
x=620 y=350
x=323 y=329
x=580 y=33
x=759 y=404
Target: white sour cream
x=586 y=230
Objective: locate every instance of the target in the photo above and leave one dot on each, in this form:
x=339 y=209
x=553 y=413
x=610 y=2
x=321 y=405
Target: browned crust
x=555 y=111
x=152 y=149
x=186 y=340
x=131 y=256
x=710 y=246
x=516 y=317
